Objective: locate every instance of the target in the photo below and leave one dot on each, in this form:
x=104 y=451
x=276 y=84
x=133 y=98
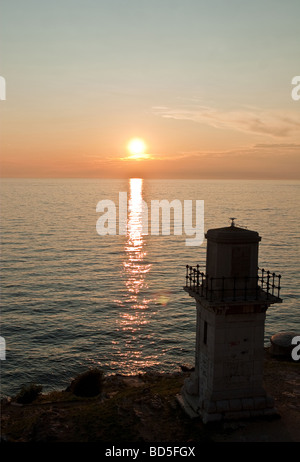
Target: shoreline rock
x=143 y=408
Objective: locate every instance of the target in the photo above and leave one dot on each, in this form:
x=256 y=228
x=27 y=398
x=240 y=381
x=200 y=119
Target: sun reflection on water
x=134 y=314
x=134 y=264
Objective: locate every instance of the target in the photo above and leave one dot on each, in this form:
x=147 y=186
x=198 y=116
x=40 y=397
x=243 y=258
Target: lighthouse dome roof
x=232 y=234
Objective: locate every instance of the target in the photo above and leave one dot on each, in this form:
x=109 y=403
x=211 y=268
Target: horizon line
x=146 y=178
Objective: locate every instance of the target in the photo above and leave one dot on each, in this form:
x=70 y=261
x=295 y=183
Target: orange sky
x=208 y=88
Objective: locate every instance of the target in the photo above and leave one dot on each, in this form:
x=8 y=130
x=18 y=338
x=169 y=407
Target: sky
x=207 y=85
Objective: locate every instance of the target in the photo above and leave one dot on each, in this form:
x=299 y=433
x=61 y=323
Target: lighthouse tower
x=232 y=297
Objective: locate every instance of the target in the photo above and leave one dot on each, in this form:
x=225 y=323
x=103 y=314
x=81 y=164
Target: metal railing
x=235 y=288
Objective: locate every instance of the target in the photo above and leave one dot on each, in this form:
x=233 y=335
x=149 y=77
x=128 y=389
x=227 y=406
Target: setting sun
x=137 y=148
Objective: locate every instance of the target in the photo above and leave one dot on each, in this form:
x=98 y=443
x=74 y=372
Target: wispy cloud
x=252 y=120
x=271 y=161
x=260 y=149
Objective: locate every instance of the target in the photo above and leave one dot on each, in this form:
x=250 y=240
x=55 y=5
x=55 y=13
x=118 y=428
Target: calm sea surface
x=72 y=299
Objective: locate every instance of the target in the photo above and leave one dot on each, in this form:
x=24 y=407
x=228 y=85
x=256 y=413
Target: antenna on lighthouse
x=232 y=221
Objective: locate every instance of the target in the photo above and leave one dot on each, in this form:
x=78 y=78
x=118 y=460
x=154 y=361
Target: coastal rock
x=88 y=384
x=186 y=368
x=281 y=344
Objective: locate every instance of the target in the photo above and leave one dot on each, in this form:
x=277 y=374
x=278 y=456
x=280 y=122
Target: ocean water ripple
x=71 y=299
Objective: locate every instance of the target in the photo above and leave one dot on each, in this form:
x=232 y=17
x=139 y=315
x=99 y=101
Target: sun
x=137 y=148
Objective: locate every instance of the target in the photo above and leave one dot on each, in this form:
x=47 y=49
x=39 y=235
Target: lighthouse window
x=205 y=333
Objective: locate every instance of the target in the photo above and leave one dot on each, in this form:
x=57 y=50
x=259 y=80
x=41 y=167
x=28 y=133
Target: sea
x=73 y=298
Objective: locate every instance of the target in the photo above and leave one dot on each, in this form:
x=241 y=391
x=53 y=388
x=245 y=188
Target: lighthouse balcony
x=264 y=287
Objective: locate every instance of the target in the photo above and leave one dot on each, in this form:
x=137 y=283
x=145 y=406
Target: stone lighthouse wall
x=229 y=361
